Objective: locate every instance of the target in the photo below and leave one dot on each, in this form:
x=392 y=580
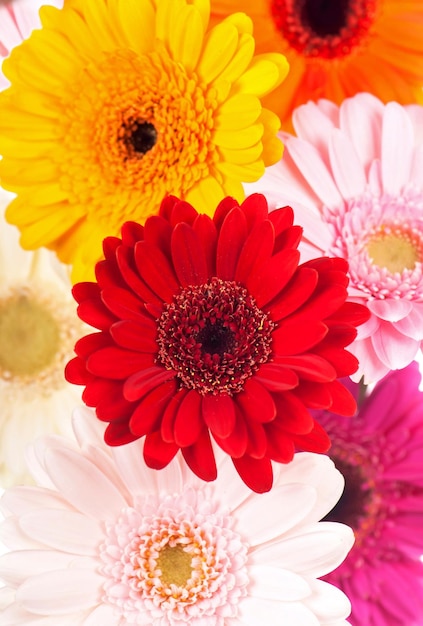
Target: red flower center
x=214 y=336
x=324 y=28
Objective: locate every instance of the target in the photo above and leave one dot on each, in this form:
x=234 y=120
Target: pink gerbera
x=18 y=18
x=380 y=453
x=356 y=173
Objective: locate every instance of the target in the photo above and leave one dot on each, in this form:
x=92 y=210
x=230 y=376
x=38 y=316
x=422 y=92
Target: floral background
x=211 y=312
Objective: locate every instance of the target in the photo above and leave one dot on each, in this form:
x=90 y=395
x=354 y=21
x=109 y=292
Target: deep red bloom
x=211 y=327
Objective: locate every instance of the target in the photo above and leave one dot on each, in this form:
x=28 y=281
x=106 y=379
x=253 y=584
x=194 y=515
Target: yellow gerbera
x=337 y=48
x=115 y=103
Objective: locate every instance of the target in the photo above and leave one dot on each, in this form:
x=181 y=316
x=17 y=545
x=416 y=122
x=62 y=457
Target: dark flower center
x=356 y=502
x=214 y=336
x=143 y=137
x=324 y=28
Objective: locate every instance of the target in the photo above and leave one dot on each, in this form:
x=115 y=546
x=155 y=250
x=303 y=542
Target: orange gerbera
x=337 y=48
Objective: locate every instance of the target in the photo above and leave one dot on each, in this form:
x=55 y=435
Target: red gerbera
x=211 y=327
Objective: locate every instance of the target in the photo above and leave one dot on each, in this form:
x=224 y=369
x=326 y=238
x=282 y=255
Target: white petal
x=315 y=551
x=328 y=602
x=12 y=536
x=397 y=148
x=16 y=567
x=310 y=164
x=275 y=583
x=102 y=615
x=61 y=592
x=229 y=489
x=63 y=530
x=269 y=515
x=21 y=500
x=256 y=612
x=87 y=428
x=83 y=484
x=347 y=168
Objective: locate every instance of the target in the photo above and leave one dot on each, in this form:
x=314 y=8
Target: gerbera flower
x=18 y=18
x=211 y=326
x=380 y=453
x=336 y=48
x=38 y=329
x=103 y=540
x=140 y=101
x=354 y=176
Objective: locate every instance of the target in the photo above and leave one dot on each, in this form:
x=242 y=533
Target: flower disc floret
x=211 y=328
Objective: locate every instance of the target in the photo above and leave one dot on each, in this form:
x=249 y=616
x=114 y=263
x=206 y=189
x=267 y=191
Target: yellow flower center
x=175 y=565
x=395 y=251
x=29 y=336
x=135 y=129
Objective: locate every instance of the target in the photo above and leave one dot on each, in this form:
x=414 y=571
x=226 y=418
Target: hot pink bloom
x=380 y=453
x=18 y=18
x=356 y=173
x=104 y=540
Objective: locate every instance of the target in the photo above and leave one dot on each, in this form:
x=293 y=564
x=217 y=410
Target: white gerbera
x=38 y=330
x=106 y=540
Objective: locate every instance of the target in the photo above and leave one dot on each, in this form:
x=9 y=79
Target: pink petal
x=394 y=349
x=389 y=309
x=361 y=120
x=347 y=168
x=397 y=148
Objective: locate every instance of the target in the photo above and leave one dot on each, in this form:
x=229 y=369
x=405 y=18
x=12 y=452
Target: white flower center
x=178 y=564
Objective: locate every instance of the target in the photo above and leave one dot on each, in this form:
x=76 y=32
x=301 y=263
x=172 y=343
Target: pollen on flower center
x=324 y=28
x=29 y=336
x=396 y=251
x=214 y=336
x=175 y=565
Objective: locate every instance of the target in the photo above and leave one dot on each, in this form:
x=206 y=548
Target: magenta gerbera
x=380 y=454
x=354 y=177
x=211 y=327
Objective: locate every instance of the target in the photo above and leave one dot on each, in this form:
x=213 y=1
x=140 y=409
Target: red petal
x=256 y=402
x=94 y=313
x=223 y=208
x=131 y=233
x=255 y=208
x=76 y=372
x=230 y=242
x=219 y=414
x=188 y=422
x=323 y=303
x=117 y=363
x=188 y=256
x=138 y=336
x=236 y=443
x=316 y=440
x=169 y=416
x=108 y=274
x=314 y=395
x=122 y=303
x=102 y=390
x=207 y=235
x=256 y=250
x=147 y=416
x=257 y=439
x=343 y=361
x=155 y=270
x=200 y=458
x=109 y=246
x=343 y=403
x=297 y=291
x=289 y=238
x=167 y=206
x=183 y=212
x=271 y=277
x=86 y=291
x=118 y=434
x=257 y=474
x=292 y=337
x=351 y=313
x=139 y=384
x=158 y=232
x=276 y=377
x=282 y=219
x=311 y=367
x=280 y=446
x=158 y=453
x=126 y=264
x=90 y=343
x=292 y=414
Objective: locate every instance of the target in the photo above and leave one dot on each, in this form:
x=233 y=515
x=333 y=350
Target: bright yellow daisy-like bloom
x=115 y=103
x=337 y=48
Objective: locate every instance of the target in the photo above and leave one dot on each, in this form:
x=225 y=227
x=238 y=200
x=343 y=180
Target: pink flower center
x=324 y=28
x=181 y=563
x=214 y=336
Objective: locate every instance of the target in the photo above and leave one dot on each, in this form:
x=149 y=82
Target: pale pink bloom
x=18 y=18
x=354 y=175
x=105 y=540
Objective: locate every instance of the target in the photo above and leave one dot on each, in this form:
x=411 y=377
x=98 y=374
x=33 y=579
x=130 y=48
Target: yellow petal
x=238 y=112
x=246 y=173
x=138 y=19
x=243 y=157
x=240 y=138
x=205 y=195
x=260 y=78
x=186 y=38
x=240 y=60
x=219 y=48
